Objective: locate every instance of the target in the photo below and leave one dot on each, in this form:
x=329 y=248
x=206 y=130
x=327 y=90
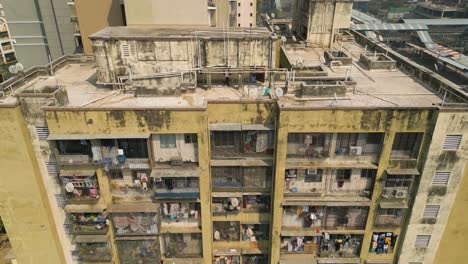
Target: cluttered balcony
x=241 y=178
x=181 y=217
x=324 y=246
x=226 y=231
x=135 y=223
x=335 y=146
x=226 y=205
x=123 y=153
x=88 y=223
x=182 y=246
x=93 y=248
x=131 y=185
x=74 y=152
x=398 y=185
x=177 y=187
x=80 y=185
x=236 y=144
x=145 y=251
x=328 y=181
x=255 y=232
x=314 y=219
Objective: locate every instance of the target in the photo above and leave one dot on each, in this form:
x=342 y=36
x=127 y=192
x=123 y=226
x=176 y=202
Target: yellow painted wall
x=24 y=207
x=96 y=15
x=452 y=247
x=243 y=113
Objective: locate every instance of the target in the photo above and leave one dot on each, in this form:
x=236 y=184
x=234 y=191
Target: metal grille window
x=255 y=176
x=346 y=140
x=125 y=49
x=224 y=138
x=168 y=141
x=115 y=174
x=431 y=211
x=190 y=138
x=343 y=174
x=374 y=138
x=226 y=176
x=407 y=144
x=422 y=241
x=312 y=175
x=452 y=142
x=398 y=181
x=441 y=177
x=368 y=173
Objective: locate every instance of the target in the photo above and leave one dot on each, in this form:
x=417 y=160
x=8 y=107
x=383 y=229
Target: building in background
x=214 y=13
x=7 y=50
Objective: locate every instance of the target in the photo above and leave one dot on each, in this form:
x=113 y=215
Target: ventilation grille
x=61 y=200
x=125 y=49
x=422 y=241
x=441 y=177
x=52 y=168
x=42 y=132
x=452 y=142
x=431 y=211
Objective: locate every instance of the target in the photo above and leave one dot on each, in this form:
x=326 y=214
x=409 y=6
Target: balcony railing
x=388 y=220
x=183 y=245
x=94 y=252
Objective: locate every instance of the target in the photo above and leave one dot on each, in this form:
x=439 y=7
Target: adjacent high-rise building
x=195 y=145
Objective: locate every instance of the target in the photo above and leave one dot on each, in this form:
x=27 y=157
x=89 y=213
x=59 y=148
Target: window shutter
x=441 y=177
x=422 y=241
x=42 y=132
x=431 y=211
x=125 y=49
x=452 y=142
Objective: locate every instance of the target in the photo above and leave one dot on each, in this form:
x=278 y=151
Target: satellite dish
x=19 y=67
x=13 y=69
x=69 y=187
x=322 y=59
x=217 y=236
x=283 y=39
x=294 y=38
x=279 y=92
x=380 y=38
x=234 y=202
x=277 y=28
x=273 y=15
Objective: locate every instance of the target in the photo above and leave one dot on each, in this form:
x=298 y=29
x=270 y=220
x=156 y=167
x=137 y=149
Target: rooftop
x=153 y=32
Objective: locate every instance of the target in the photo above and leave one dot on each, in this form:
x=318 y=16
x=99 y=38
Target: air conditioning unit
x=401 y=194
x=158 y=179
x=176 y=161
x=311 y=171
x=355 y=150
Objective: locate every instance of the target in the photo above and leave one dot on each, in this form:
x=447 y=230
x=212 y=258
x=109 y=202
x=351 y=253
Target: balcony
x=226 y=205
x=129 y=186
x=80 y=185
x=313 y=218
x=260 y=232
x=93 y=249
x=182 y=245
x=318 y=182
x=406 y=146
x=241 y=179
x=139 y=251
x=226 y=231
x=135 y=224
x=178 y=187
x=383 y=242
x=325 y=246
x=255 y=259
x=88 y=223
x=180 y=217
x=175 y=149
x=74 y=152
x=364 y=147
x=256 y=203
x=388 y=220
x=238 y=144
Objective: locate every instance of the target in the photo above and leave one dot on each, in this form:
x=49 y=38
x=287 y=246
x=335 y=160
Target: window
x=250 y=24
x=391 y=212
x=250 y=14
x=422 y=241
x=346 y=140
x=238 y=15
x=226 y=176
x=406 y=145
x=238 y=25
x=168 y=141
x=343 y=174
x=74 y=147
x=452 y=142
x=256 y=177
x=398 y=181
x=115 y=174
x=313 y=175
x=224 y=138
x=368 y=173
x=133 y=147
x=238 y=4
x=441 y=177
x=251 y=4
x=374 y=138
x=190 y=138
x=431 y=211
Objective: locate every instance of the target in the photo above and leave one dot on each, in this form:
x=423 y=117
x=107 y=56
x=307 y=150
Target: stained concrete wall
x=96 y=15
x=163 y=56
x=440 y=160
x=25 y=208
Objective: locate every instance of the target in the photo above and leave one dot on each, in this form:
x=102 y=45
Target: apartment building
x=215 y=13
x=184 y=145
